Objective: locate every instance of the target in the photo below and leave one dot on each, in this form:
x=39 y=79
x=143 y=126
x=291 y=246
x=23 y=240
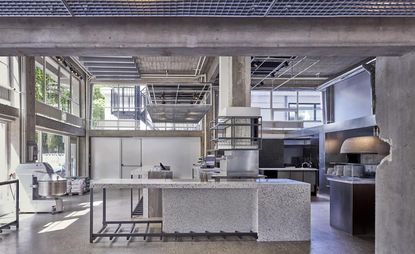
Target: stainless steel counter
x=351 y=180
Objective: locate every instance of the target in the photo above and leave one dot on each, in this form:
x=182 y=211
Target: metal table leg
x=91 y=214
x=104 y=207
x=17 y=205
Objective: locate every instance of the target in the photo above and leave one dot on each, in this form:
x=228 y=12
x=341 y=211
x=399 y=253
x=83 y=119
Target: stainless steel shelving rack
x=226 y=133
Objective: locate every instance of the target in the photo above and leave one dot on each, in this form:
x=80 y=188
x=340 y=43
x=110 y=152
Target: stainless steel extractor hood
x=365 y=144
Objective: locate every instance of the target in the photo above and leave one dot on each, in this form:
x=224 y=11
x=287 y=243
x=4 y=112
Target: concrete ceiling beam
x=128 y=36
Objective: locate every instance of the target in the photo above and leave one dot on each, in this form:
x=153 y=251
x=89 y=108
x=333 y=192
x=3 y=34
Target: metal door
x=130 y=155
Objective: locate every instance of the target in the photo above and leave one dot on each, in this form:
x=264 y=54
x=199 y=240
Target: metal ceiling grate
x=33 y=8
x=209 y=8
x=342 y=8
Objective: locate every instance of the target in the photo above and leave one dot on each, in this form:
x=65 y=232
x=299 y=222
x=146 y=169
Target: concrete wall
x=353 y=97
x=395 y=179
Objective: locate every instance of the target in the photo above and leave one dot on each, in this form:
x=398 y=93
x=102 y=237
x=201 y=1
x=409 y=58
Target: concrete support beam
x=57 y=126
x=395 y=177
x=28 y=107
x=9 y=112
x=234 y=82
x=209 y=36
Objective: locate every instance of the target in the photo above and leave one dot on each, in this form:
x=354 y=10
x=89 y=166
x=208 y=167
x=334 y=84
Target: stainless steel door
x=130 y=155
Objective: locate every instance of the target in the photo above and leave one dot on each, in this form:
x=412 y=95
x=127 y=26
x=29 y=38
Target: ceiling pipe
x=299 y=73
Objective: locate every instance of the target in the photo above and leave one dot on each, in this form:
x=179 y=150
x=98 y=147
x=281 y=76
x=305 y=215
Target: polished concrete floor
x=68 y=232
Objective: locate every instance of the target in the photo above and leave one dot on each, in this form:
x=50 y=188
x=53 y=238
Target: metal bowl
x=52 y=188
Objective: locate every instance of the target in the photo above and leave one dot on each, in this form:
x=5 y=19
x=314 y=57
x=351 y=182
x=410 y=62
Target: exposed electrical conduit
x=276 y=68
x=288 y=80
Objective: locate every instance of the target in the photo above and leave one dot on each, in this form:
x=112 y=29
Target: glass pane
x=3 y=152
x=74 y=158
x=51 y=80
x=98 y=104
x=261 y=99
x=309 y=97
x=280 y=115
x=53 y=151
x=4 y=71
x=15 y=72
x=39 y=79
x=266 y=114
x=65 y=90
x=281 y=99
x=76 y=84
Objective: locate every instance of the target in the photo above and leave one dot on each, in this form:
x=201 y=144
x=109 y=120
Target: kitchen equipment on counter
x=357 y=170
x=347 y=170
x=330 y=171
x=161 y=166
x=241 y=163
x=370 y=170
x=41 y=188
x=338 y=169
x=238 y=133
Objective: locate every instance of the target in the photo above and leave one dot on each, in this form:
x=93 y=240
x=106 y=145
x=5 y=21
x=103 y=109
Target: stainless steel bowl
x=52 y=188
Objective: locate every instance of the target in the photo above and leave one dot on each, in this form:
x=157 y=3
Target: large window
x=122 y=108
x=52 y=149
x=4 y=71
x=57 y=86
x=3 y=151
x=300 y=106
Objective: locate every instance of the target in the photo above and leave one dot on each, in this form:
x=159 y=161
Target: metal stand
x=118 y=232
x=16 y=221
x=136 y=210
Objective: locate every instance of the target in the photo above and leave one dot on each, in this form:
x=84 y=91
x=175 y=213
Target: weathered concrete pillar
x=234 y=82
x=395 y=178
x=28 y=111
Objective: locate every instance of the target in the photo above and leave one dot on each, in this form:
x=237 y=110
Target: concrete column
x=234 y=82
x=395 y=178
x=28 y=111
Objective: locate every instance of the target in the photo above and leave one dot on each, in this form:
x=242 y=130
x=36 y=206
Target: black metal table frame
x=17 y=199
x=132 y=233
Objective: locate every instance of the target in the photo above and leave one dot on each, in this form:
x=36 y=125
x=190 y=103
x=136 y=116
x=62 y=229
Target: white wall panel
x=178 y=152
x=105 y=158
x=353 y=98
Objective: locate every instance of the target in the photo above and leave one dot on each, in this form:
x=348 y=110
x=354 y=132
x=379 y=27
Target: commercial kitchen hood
x=365 y=145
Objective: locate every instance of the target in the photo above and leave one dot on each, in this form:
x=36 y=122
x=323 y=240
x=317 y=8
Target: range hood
x=365 y=145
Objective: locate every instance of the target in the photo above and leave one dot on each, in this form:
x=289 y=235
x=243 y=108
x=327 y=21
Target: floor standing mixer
x=41 y=188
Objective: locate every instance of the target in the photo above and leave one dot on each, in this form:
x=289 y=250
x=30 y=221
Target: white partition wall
x=177 y=152
x=105 y=158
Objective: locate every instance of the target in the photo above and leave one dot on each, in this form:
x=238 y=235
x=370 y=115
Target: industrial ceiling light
x=365 y=145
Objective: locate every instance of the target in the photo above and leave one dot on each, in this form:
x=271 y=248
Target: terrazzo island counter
x=276 y=209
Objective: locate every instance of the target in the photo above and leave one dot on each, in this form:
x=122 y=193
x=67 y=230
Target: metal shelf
x=228 y=133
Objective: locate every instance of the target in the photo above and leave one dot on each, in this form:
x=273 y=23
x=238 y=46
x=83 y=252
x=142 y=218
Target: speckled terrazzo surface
x=188 y=184
x=277 y=209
